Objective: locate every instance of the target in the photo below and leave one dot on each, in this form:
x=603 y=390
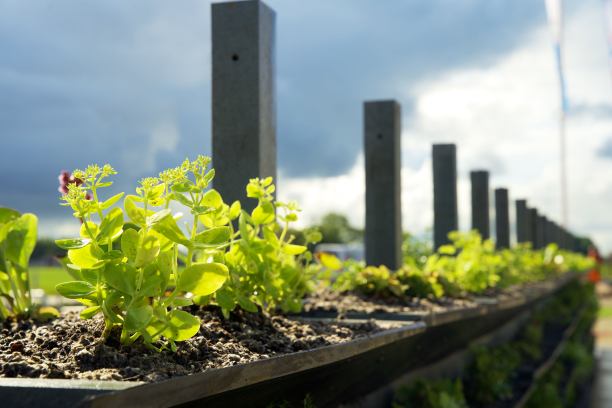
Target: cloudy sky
x=129 y=83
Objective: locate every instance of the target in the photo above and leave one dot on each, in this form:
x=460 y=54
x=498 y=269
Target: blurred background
x=129 y=83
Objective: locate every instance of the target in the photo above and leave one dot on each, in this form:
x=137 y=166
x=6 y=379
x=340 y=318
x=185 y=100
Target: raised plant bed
x=330 y=375
x=442 y=313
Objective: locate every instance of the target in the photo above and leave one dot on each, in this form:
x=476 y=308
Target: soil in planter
x=69 y=347
x=343 y=303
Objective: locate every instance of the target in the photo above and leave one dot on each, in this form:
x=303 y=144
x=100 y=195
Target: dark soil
x=327 y=301
x=69 y=347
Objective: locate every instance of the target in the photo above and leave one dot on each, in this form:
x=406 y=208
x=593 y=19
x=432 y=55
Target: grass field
x=46 y=277
x=605 y=311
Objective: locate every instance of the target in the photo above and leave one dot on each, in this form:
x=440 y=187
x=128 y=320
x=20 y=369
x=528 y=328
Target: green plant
x=17 y=241
x=129 y=270
x=443 y=393
x=415 y=251
x=368 y=280
x=265 y=268
x=125 y=270
x=490 y=374
x=470 y=263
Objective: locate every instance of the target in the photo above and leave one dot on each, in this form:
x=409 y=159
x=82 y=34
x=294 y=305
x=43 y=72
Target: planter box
x=330 y=375
x=484 y=306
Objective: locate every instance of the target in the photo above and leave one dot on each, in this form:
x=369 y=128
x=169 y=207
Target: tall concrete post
x=547 y=231
x=532 y=229
x=541 y=234
x=502 y=218
x=383 y=226
x=521 y=221
x=243 y=96
x=556 y=234
x=480 y=202
x=444 y=159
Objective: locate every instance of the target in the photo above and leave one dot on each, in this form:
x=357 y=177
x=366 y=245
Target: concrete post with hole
x=502 y=218
x=382 y=144
x=521 y=221
x=480 y=202
x=243 y=96
x=444 y=160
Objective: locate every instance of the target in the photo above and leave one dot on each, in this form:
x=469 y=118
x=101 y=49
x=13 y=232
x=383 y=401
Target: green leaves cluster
x=267 y=269
x=128 y=262
x=17 y=241
x=468 y=265
x=492 y=375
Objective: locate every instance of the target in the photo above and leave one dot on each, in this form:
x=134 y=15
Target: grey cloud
x=601 y=110
x=605 y=150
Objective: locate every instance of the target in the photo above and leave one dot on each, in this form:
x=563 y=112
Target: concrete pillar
x=562 y=238
x=532 y=229
x=541 y=234
x=521 y=221
x=556 y=234
x=547 y=231
x=444 y=159
x=502 y=218
x=243 y=96
x=480 y=202
x=383 y=226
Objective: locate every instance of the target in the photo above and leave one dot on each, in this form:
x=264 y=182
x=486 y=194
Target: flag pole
x=554 y=10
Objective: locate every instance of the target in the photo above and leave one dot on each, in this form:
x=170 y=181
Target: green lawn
x=605 y=311
x=46 y=277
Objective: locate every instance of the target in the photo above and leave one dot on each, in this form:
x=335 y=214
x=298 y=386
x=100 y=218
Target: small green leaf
x=247 y=304
x=21 y=239
x=90 y=312
x=8 y=214
x=111 y=201
x=85 y=258
x=47 y=313
x=209 y=176
x=182 y=302
x=166 y=264
x=72 y=243
x=121 y=277
x=111 y=226
x=244 y=227
x=112 y=255
x=447 y=250
x=214 y=236
x=138 y=317
x=165 y=224
x=135 y=213
x=88 y=227
x=147 y=251
x=291 y=249
x=225 y=298
x=330 y=261
x=234 y=210
x=75 y=289
x=203 y=278
x=263 y=213
x=129 y=243
x=154 y=281
x=182 y=199
x=183 y=187
x=181 y=325
x=212 y=198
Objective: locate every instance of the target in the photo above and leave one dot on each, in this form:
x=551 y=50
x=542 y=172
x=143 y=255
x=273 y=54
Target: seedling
x=17 y=241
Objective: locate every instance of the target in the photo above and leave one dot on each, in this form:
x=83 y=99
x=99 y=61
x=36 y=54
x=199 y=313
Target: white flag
x=554 y=10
